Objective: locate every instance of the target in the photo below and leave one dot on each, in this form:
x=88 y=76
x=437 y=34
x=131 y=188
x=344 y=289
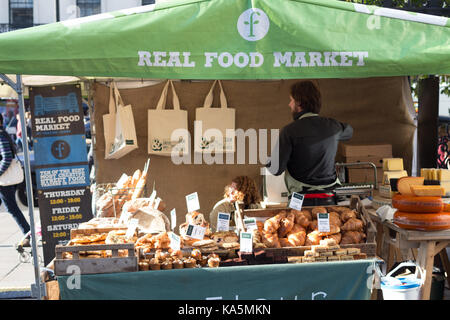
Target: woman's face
x=234 y=194
x=293 y=105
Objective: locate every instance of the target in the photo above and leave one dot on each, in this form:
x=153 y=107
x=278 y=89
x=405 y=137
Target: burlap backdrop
x=377 y=108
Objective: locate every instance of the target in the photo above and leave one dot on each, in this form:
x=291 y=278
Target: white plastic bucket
x=405 y=288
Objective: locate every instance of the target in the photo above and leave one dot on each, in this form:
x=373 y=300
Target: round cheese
x=417 y=204
x=422 y=222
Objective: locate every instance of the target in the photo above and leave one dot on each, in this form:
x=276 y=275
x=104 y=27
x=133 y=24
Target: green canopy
x=234 y=39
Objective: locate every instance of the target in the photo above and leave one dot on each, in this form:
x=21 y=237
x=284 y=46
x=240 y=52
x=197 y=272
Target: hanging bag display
x=164 y=123
x=211 y=133
x=125 y=139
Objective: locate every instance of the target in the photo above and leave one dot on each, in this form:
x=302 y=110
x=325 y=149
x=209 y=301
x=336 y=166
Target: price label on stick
x=192 y=202
x=246 y=242
x=152 y=198
x=223 y=221
x=196 y=232
x=131 y=228
x=173 y=218
x=157 y=202
x=323 y=222
x=174 y=241
x=296 y=201
x=250 y=224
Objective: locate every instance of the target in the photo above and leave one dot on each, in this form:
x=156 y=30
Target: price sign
x=246 y=242
x=196 y=232
x=223 y=221
x=323 y=222
x=192 y=202
x=296 y=201
x=250 y=224
x=174 y=241
x=173 y=218
x=131 y=228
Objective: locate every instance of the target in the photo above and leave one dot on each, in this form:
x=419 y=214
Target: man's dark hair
x=307 y=95
x=1 y=119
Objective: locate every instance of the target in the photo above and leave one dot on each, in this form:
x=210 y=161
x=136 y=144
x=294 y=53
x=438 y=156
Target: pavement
x=16 y=277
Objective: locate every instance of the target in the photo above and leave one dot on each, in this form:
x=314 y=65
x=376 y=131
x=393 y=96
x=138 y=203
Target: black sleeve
x=280 y=154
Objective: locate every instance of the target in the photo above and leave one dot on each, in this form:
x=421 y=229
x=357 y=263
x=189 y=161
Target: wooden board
x=96 y=265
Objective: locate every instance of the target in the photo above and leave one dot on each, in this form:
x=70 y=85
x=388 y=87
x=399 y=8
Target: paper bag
x=213 y=124
x=168 y=129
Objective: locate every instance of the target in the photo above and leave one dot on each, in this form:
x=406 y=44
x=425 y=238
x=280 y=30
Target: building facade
x=19 y=14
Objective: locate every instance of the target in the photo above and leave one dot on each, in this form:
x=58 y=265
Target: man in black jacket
x=308 y=145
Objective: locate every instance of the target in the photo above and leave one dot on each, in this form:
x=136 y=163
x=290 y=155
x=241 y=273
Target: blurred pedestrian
x=8 y=193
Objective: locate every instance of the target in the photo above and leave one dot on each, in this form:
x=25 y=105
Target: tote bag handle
x=209 y=98
x=162 y=100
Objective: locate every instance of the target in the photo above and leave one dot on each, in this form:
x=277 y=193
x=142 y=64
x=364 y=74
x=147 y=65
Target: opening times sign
x=62 y=171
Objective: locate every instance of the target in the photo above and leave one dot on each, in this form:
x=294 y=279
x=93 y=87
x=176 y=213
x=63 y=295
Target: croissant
x=286 y=225
x=284 y=242
x=353 y=237
x=313 y=225
x=297 y=228
x=333 y=229
x=302 y=217
x=297 y=239
x=317 y=210
x=271 y=225
x=337 y=237
x=335 y=219
x=313 y=238
x=353 y=224
x=271 y=240
x=348 y=214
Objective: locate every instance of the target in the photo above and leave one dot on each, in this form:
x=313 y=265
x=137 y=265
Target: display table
x=424 y=245
x=306 y=281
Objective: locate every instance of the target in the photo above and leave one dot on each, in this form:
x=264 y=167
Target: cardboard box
x=377 y=161
x=378 y=150
x=363 y=175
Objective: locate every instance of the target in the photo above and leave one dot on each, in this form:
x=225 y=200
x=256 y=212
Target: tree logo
x=253 y=24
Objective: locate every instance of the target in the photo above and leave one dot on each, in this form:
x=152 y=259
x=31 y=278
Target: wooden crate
x=89 y=231
x=369 y=247
x=96 y=265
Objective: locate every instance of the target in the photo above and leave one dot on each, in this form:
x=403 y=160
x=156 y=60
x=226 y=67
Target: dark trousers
x=8 y=197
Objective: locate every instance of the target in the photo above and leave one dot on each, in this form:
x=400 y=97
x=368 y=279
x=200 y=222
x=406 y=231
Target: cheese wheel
x=417 y=204
x=404 y=184
x=422 y=222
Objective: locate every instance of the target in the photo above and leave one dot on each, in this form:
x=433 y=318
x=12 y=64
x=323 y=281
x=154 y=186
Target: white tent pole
x=30 y=199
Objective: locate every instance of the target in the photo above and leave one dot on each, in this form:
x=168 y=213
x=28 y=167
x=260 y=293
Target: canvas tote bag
x=163 y=122
x=122 y=124
x=214 y=120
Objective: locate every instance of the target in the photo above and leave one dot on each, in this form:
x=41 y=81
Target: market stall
x=266 y=40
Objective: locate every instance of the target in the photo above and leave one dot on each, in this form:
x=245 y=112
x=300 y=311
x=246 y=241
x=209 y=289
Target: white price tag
x=250 y=224
x=131 y=228
x=196 y=232
x=175 y=241
x=296 y=201
x=323 y=222
x=157 y=202
x=173 y=218
x=223 y=221
x=192 y=202
x=246 y=242
x=124 y=217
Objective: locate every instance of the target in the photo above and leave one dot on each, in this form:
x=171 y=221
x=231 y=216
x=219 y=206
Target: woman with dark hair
x=307 y=146
x=241 y=188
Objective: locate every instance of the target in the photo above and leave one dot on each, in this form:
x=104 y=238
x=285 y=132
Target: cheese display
x=422 y=222
x=417 y=204
x=392 y=164
x=404 y=184
x=388 y=175
x=425 y=191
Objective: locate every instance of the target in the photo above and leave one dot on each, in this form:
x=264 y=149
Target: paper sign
x=174 y=241
x=196 y=232
x=246 y=242
x=323 y=222
x=157 y=202
x=173 y=218
x=192 y=202
x=296 y=201
x=250 y=224
x=131 y=228
x=223 y=221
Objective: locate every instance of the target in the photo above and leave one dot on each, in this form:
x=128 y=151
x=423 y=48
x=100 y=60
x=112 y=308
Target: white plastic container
x=405 y=288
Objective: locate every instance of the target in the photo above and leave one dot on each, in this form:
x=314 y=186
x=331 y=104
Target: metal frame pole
x=18 y=87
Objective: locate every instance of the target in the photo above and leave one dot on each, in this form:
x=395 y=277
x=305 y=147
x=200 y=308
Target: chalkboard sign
x=61 y=164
